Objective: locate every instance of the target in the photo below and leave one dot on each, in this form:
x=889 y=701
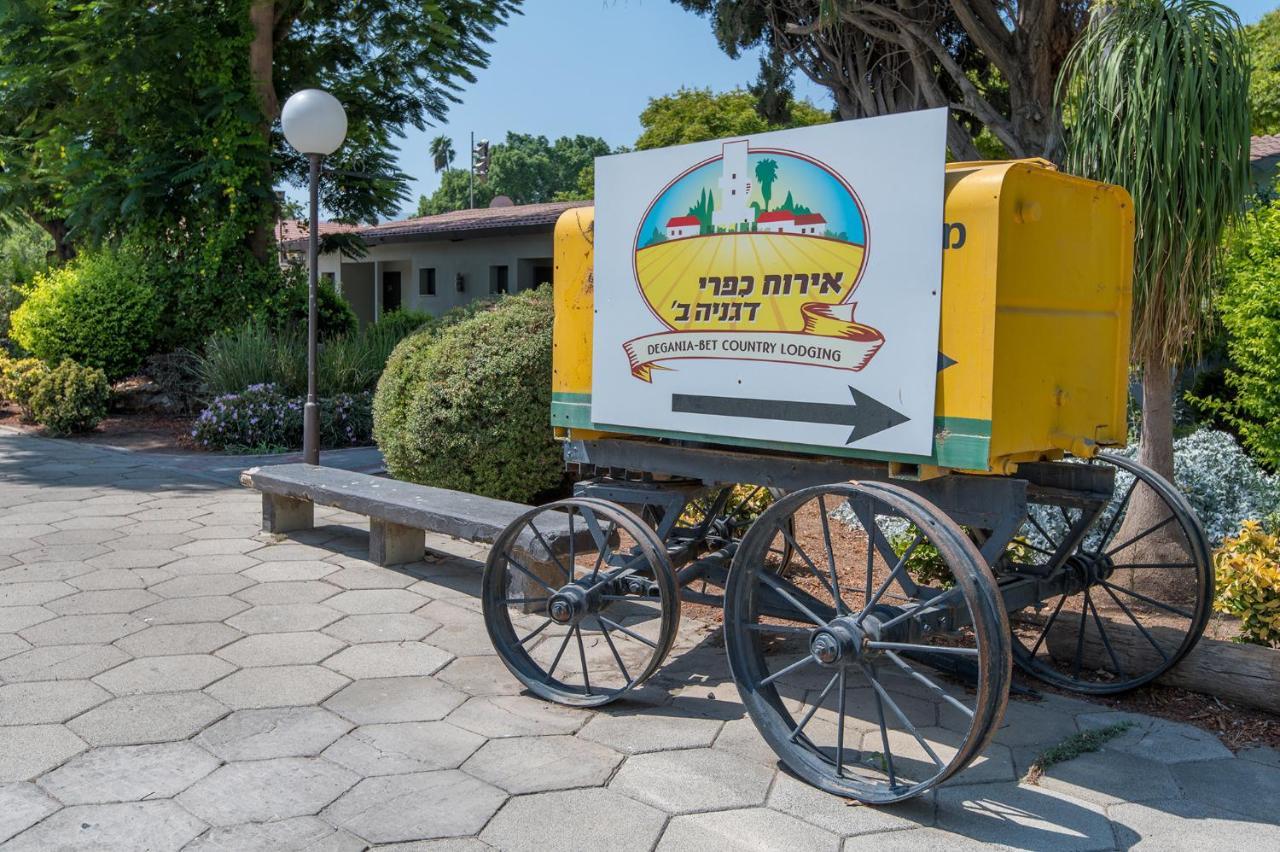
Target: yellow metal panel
x=1034 y=339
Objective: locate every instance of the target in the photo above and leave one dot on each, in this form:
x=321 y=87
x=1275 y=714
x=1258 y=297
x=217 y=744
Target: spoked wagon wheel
x=842 y=665
x=580 y=601
x=1141 y=588
x=720 y=517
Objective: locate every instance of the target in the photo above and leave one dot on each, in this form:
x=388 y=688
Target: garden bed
x=152 y=433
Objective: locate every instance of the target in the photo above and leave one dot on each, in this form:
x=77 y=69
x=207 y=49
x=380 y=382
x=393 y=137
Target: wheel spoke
x=1111 y=525
x=543 y=541
x=541 y=627
x=511 y=561
x=841 y=609
x=616 y=656
x=616 y=626
x=840 y=705
x=780 y=588
x=800 y=663
x=897 y=711
x=1102 y=633
x=822 y=696
x=1140 y=536
x=522 y=601
x=925 y=604
x=942 y=693
x=582 y=655
x=1044 y=631
x=1152 y=601
x=809 y=562
x=1137 y=623
x=930 y=649
x=902 y=563
x=1075 y=666
x=884 y=739
x=565 y=644
x=1043 y=534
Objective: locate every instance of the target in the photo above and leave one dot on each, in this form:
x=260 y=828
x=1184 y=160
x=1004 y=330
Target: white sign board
x=783 y=287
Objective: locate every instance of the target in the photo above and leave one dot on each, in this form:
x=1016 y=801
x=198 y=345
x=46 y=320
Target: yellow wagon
x=874 y=603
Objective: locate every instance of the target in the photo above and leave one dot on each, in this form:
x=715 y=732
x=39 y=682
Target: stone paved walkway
x=169 y=679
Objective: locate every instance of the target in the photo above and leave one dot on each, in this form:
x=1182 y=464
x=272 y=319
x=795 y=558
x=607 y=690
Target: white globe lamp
x=314 y=122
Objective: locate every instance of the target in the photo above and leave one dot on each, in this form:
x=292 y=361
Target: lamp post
x=315 y=124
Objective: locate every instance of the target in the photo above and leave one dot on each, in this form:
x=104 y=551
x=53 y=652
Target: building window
x=460 y=282
x=497 y=280
x=329 y=278
x=427 y=281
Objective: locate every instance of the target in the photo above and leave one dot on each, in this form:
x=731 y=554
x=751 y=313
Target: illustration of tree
x=766 y=173
x=702 y=210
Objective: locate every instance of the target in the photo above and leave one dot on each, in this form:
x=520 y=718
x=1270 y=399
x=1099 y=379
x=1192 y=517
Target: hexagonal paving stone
x=22 y=805
x=995 y=763
x=1244 y=786
x=218 y=546
x=60 y=662
x=1156 y=739
x=298 y=834
x=260 y=790
x=271 y=733
x=90 y=535
x=226 y=531
x=289 y=592
x=370 y=577
x=129 y=773
x=137 y=719
x=650 y=729
x=111 y=578
x=575 y=821
x=289 y=552
x=33 y=594
x=81 y=629
x=201 y=585
x=366 y=601
x=388 y=659
x=10 y=645
x=421 y=806
x=388 y=627
x=163 y=824
x=173 y=673
x=538 y=764
x=833 y=813
x=404 y=747
x=29 y=750
x=113 y=600
x=1184 y=824
x=290 y=572
x=63 y=553
x=755 y=828
x=133 y=559
x=281 y=649
x=693 y=780
x=284 y=618
x=189 y=610
x=276 y=686
x=517 y=716
x=1023 y=816
x=462 y=631
x=396 y=699
x=226 y=563
x=47 y=701
x=44 y=572
x=15 y=618
x=167 y=639
x=481 y=676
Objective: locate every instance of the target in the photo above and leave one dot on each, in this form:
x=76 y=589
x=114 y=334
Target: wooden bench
x=399 y=513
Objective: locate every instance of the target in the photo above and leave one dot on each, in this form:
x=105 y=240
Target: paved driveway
x=170 y=678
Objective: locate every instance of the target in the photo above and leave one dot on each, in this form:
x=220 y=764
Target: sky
x=566 y=67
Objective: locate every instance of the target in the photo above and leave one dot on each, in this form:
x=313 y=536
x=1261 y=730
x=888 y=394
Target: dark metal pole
x=311 y=411
x=471 y=178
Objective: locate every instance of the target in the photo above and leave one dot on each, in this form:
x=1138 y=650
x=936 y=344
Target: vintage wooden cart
x=873 y=606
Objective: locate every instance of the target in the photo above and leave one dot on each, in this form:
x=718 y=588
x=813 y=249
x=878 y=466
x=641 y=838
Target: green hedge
x=98 y=310
x=289 y=309
x=464 y=403
x=71 y=398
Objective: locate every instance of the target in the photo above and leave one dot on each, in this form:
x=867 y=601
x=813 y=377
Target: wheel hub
x=1089 y=569
x=572 y=603
x=841 y=640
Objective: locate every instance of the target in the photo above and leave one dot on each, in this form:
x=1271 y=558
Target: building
x=434 y=263
x=811 y=223
x=1264 y=160
x=683 y=226
x=777 y=222
x=733 y=209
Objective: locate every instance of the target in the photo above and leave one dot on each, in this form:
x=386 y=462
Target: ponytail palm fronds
x=1155 y=98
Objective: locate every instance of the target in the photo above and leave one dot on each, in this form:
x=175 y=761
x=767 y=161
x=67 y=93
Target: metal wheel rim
x=502 y=630
x=777 y=723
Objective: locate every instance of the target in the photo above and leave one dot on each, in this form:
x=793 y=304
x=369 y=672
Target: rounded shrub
x=99 y=311
x=71 y=398
x=466 y=405
x=18 y=381
x=288 y=308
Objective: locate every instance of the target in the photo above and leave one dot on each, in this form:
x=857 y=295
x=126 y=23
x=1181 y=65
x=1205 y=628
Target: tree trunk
x=1156 y=444
x=57 y=229
x=261 y=66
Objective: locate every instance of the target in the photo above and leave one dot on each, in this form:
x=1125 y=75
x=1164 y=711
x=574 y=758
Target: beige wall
x=473 y=258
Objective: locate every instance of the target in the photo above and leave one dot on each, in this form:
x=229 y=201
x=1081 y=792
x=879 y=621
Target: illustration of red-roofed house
x=683 y=226
x=811 y=223
x=777 y=222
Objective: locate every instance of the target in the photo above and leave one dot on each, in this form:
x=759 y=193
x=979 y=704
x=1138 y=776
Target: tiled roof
x=680 y=221
x=295 y=230
x=776 y=216
x=1264 y=146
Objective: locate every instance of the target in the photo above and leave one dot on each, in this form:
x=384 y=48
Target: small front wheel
x=580 y=601
x=853 y=670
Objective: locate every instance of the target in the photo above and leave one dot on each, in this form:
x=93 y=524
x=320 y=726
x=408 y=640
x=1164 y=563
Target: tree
x=1156 y=95
x=695 y=115
x=1264 y=83
x=993 y=62
x=767 y=173
x=442 y=152
x=528 y=169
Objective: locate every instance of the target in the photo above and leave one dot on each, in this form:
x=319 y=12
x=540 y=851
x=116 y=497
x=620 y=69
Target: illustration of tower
x=734 y=188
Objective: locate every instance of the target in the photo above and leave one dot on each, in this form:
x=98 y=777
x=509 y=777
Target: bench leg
x=392 y=544
x=285 y=514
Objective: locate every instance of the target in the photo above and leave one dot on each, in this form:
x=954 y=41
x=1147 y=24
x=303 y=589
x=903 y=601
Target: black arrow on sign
x=867 y=416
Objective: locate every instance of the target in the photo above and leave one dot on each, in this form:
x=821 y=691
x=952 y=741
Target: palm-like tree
x=442 y=152
x=766 y=173
x=1155 y=99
